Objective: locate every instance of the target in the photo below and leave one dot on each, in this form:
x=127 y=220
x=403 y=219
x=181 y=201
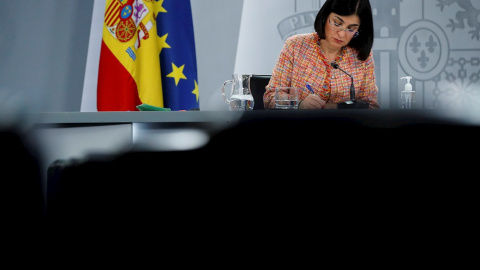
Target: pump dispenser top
x=407 y=95
x=408 y=86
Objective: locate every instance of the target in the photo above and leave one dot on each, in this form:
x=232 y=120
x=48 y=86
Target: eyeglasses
x=337 y=27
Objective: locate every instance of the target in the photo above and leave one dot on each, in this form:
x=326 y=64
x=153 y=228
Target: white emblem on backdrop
x=434 y=41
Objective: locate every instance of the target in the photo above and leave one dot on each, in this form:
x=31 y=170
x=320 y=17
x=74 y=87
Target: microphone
x=352 y=103
x=352 y=86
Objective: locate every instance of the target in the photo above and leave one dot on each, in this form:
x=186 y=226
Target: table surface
x=383 y=116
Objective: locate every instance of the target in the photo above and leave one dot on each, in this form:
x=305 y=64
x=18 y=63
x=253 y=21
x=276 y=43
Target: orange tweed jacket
x=302 y=62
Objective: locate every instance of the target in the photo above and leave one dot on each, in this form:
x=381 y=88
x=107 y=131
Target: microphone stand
x=352 y=103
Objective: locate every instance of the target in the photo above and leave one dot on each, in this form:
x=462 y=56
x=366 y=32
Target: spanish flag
x=147 y=56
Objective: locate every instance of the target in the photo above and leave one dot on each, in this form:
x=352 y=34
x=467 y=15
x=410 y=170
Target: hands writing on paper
x=312 y=102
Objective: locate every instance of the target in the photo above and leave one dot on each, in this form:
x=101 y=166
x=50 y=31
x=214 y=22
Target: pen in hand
x=313 y=93
x=310 y=89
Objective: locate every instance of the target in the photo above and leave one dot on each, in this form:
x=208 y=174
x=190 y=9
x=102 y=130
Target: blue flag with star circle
x=178 y=60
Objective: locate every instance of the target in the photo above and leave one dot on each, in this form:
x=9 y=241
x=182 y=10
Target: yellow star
x=195 y=91
x=161 y=9
x=163 y=42
x=177 y=73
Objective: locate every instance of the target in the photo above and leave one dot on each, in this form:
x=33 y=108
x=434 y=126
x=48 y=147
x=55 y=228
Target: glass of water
x=286 y=98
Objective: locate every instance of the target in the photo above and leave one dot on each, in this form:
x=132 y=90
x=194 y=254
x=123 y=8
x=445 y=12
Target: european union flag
x=178 y=59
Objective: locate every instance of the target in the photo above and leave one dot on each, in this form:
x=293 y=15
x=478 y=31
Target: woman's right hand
x=312 y=102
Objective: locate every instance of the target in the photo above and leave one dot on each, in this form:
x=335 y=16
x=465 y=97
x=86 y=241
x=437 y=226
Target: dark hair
x=362 y=8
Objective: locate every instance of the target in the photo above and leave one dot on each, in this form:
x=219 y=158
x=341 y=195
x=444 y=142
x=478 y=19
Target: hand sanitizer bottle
x=407 y=95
